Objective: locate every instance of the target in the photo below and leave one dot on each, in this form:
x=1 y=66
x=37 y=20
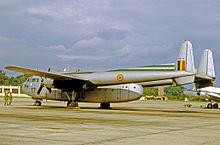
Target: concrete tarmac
x=139 y=122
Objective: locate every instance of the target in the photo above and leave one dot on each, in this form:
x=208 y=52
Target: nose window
x=26 y=86
x=33 y=90
x=34 y=80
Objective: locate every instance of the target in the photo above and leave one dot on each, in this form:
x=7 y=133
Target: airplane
x=204 y=81
x=212 y=94
x=105 y=87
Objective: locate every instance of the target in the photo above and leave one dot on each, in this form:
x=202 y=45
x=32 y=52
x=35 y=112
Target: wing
x=51 y=75
x=203 y=81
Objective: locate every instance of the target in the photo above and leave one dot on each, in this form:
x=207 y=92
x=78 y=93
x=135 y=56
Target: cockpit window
x=35 y=80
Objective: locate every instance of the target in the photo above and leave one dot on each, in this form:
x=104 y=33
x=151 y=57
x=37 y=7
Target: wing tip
x=10 y=67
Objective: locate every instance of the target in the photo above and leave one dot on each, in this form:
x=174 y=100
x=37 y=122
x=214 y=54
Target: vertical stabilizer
x=185 y=60
x=206 y=72
x=206 y=66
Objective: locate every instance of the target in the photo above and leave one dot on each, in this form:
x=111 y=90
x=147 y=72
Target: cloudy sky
x=105 y=34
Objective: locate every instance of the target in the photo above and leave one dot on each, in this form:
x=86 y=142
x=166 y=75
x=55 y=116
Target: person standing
x=10 y=98
x=187 y=103
x=6 y=98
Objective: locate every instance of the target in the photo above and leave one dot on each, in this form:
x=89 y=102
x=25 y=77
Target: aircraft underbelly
x=109 y=96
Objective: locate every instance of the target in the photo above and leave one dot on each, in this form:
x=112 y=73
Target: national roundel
x=120 y=77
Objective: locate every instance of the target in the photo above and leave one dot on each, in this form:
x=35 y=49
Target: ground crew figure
x=9 y=98
x=187 y=103
x=6 y=98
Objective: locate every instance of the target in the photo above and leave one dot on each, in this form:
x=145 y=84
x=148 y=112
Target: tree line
x=175 y=93
x=15 y=81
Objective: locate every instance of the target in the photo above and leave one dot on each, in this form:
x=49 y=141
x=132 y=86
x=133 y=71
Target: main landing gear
x=72 y=104
x=72 y=100
x=105 y=106
x=212 y=105
x=37 y=103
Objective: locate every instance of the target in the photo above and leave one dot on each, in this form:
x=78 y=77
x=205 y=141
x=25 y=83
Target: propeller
x=42 y=85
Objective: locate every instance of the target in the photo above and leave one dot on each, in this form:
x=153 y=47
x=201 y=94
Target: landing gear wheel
x=72 y=104
x=215 y=106
x=105 y=105
x=189 y=105
x=209 y=106
x=37 y=103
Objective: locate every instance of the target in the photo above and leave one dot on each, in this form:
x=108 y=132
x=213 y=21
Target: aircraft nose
x=23 y=88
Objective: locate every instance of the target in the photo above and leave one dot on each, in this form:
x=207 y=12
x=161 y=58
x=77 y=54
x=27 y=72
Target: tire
x=38 y=103
x=72 y=104
x=215 y=105
x=105 y=105
x=209 y=106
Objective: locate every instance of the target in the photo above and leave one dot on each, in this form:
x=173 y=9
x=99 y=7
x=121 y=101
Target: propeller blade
x=40 y=89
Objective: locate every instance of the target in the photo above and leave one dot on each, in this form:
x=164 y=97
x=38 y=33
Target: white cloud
x=8 y=40
x=81 y=57
x=89 y=43
x=55 y=48
x=125 y=51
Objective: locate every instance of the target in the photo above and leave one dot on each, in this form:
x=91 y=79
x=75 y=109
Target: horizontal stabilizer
x=184 y=80
x=178 y=81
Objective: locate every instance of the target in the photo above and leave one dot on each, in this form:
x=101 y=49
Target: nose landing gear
x=72 y=100
x=37 y=103
x=71 y=104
